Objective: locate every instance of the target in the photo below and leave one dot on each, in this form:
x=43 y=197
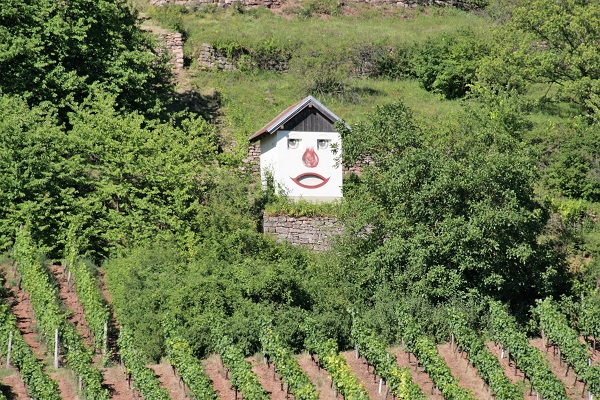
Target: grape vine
x=530 y=360
x=46 y=306
x=589 y=317
x=327 y=350
x=487 y=364
x=143 y=377
x=555 y=327
x=399 y=380
x=180 y=355
x=286 y=365
x=241 y=376
x=31 y=370
x=96 y=312
x=426 y=351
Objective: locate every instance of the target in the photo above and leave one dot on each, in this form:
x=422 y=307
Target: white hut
x=299 y=149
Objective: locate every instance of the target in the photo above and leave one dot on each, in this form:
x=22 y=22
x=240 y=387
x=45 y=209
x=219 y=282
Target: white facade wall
x=303 y=164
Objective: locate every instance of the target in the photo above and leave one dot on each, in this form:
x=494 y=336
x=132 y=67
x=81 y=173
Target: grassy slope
x=252 y=98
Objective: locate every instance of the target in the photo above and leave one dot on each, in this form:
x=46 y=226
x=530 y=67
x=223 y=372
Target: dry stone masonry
x=220 y=3
x=278 y=3
x=173 y=42
x=315 y=233
x=253 y=159
x=211 y=59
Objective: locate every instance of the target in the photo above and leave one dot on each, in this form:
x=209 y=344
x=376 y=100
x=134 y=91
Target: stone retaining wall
x=210 y=58
x=253 y=159
x=315 y=233
x=172 y=42
x=220 y=3
x=278 y=3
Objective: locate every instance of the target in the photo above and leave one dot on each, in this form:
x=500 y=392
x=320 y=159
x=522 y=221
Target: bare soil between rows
x=23 y=311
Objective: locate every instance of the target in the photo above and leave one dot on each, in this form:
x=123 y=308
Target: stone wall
x=315 y=233
x=278 y=3
x=253 y=159
x=357 y=167
x=211 y=59
x=220 y=3
x=172 y=42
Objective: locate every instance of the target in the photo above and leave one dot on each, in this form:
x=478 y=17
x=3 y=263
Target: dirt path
x=419 y=376
x=113 y=377
x=468 y=377
x=218 y=375
x=66 y=292
x=364 y=374
x=318 y=376
x=594 y=353
x=559 y=368
x=267 y=377
x=13 y=386
x=23 y=311
x=510 y=370
x=169 y=380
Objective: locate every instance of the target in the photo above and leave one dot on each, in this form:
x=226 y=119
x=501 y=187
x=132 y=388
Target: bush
x=327 y=7
x=447 y=65
x=302 y=208
x=373 y=60
x=170 y=16
x=268 y=55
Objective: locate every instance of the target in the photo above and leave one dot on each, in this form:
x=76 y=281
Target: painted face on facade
x=311 y=159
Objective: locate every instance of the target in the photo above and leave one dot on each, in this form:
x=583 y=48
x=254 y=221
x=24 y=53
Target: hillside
x=469 y=264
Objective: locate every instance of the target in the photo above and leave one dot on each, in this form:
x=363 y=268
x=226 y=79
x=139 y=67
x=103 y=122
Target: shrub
x=447 y=65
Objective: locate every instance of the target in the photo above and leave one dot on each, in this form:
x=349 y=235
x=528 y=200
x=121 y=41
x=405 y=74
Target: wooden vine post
x=56 y=348
x=10 y=339
x=105 y=339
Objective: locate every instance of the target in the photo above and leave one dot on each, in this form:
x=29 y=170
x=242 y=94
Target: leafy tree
x=552 y=43
x=574 y=163
x=436 y=224
x=36 y=183
x=54 y=51
x=153 y=282
x=125 y=179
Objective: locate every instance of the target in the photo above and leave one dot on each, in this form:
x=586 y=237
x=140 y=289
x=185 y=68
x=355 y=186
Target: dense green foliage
x=436 y=223
x=447 y=65
x=61 y=52
x=115 y=174
x=493 y=195
x=551 y=43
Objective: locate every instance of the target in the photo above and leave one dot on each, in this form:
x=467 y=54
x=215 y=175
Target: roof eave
x=280 y=120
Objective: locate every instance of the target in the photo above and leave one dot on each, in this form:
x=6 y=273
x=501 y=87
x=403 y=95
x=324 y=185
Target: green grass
x=318 y=45
x=394 y=26
x=252 y=100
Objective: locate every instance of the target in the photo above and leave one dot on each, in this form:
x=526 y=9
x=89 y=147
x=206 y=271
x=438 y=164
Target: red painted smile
x=310 y=180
